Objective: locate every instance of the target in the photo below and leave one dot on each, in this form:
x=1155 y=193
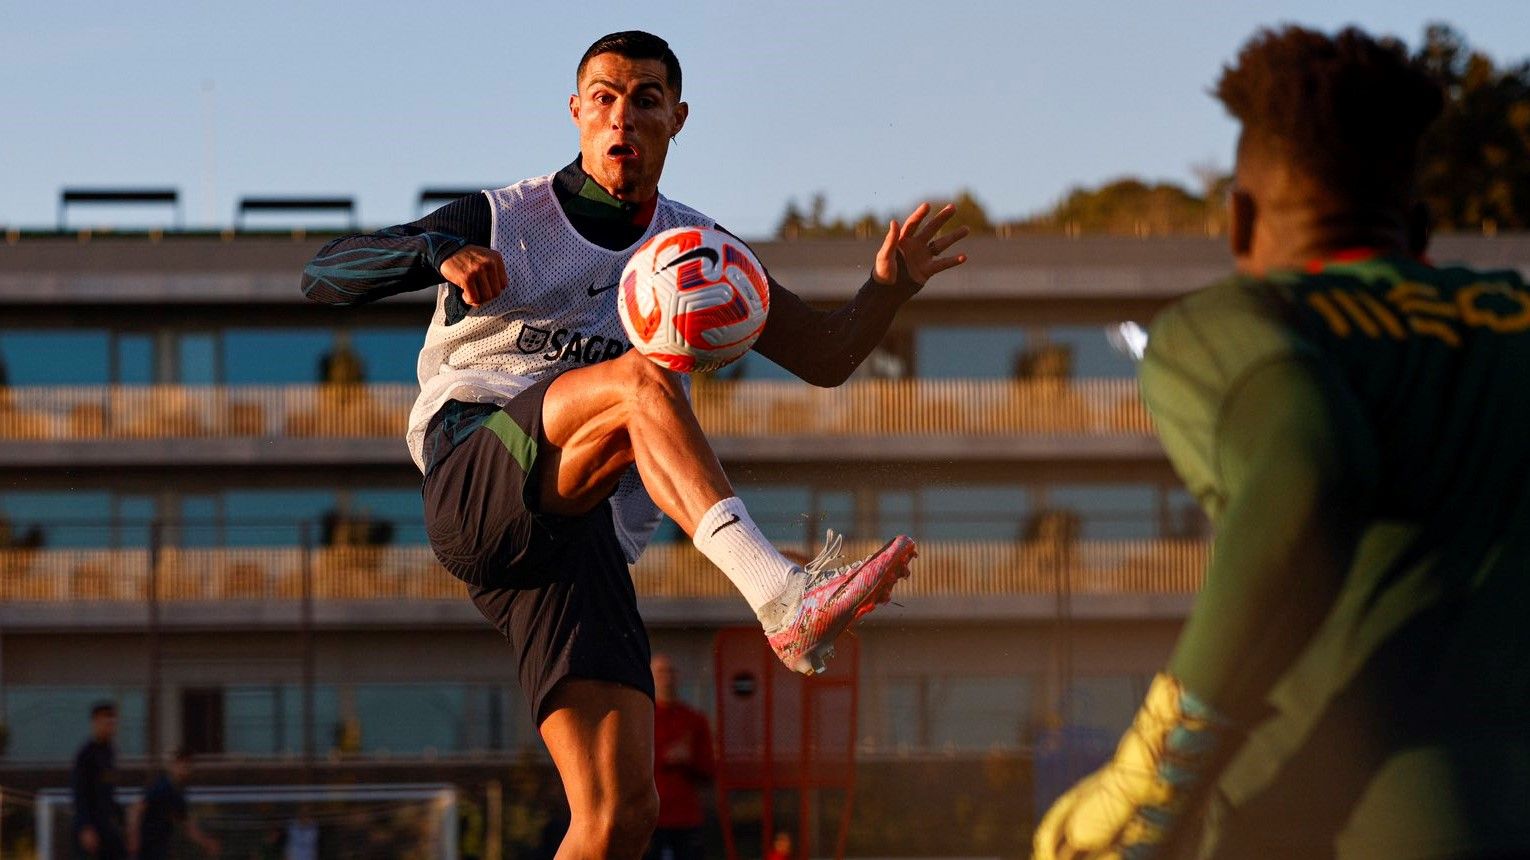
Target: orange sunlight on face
x=626 y=115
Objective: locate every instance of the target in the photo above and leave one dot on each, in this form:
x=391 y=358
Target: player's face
x=626 y=115
x=104 y=726
x=663 y=679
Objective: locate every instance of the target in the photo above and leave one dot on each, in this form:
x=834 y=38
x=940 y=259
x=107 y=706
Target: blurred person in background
x=98 y=824
x=781 y=847
x=152 y=826
x=683 y=766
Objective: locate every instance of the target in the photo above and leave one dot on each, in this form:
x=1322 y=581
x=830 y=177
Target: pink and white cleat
x=820 y=602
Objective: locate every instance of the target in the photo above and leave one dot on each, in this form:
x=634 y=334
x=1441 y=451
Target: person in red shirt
x=683 y=764
x=781 y=847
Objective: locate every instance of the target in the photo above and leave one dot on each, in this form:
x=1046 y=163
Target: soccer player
x=1354 y=680
x=549 y=447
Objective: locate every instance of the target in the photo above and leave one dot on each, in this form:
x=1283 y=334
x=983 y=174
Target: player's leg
x=599 y=420
x=600 y=736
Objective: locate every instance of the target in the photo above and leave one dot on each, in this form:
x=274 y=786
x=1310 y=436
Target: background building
x=207 y=513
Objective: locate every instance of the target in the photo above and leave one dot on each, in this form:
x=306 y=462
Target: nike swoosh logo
x=725 y=525
x=693 y=254
x=595 y=291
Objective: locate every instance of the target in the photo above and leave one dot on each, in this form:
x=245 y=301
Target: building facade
x=207 y=512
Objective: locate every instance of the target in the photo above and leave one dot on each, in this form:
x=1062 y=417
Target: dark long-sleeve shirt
x=93 y=783
x=819 y=347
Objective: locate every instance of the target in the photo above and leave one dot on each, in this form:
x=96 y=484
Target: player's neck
x=581 y=194
x=1295 y=242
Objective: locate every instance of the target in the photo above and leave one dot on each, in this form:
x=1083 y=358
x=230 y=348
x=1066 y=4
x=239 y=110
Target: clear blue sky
x=874 y=104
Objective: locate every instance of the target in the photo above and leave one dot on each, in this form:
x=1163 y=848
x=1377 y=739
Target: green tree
x=969 y=213
x=816 y=223
x=793 y=223
x=1128 y=207
x=1475 y=162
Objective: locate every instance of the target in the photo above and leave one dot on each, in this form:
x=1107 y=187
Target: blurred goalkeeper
x=1355 y=678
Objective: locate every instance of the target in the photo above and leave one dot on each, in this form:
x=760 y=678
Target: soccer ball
x=693 y=299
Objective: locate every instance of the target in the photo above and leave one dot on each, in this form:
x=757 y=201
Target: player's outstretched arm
x=825 y=347
x=1294 y=460
x=365 y=267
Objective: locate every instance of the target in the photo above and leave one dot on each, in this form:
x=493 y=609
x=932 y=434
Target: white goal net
x=416 y=821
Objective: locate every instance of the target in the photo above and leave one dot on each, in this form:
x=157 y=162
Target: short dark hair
x=103 y=707
x=1347 y=111
x=635 y=45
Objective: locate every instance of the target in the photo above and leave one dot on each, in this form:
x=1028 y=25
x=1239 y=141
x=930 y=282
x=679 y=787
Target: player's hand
x=90 y=841
x=1133 y=805
x=916 y=241
x=479 y=271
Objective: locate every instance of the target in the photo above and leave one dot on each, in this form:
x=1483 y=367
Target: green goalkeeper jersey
x=1360 y=434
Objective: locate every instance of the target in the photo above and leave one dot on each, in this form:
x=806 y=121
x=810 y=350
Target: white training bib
x=558 y=313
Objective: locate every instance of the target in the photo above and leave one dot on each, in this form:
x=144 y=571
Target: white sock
x=728 y=537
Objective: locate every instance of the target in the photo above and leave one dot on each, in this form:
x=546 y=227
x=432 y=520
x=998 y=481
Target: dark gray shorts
x=558 y=588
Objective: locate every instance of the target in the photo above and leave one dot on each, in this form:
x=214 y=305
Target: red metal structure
x=783 y=732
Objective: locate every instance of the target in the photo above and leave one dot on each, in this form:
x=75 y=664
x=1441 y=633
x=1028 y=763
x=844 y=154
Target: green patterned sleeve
x=1270 y=439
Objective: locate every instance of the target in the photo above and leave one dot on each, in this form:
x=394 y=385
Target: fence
x=1088 y=407
x=954 y=568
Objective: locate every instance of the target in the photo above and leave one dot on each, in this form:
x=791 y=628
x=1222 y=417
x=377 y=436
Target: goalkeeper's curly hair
x=1348 y=111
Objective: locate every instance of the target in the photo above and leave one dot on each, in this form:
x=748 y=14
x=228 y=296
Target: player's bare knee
x=632 y=820
x=650 y=386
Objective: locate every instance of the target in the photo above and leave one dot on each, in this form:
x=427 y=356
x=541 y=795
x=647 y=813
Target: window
x=424 y=719
x=50 y=723
x=200 y=523
x=275 y=517
x=967 y=352
x=781 y=512
x=400 y=509
x=135 y=358
x=977 y=713
x=1106 y=703
x=1109 y=511
x=834 y=509
x=930 y=712
x=898 y=512
x=131 y=516
x=202 y=720
x=754 y=367
x=252 y=723
x=54 y=357
x=1093 y=355
x=974 y=512
x=389 y=354
x=903 y=699
x=1183 y=516
x=79 y=518
x=274 y=356
x=295 y=356
x=197 y=359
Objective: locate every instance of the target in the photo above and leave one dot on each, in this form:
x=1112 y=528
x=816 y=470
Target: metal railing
x=953 y=568
x=1084 y=407
x=177 y=411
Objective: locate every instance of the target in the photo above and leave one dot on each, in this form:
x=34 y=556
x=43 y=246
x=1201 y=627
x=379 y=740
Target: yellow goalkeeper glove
x=1128 y=809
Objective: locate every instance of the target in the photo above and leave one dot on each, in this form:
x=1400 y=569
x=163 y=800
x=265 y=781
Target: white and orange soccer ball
x=693 y=299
